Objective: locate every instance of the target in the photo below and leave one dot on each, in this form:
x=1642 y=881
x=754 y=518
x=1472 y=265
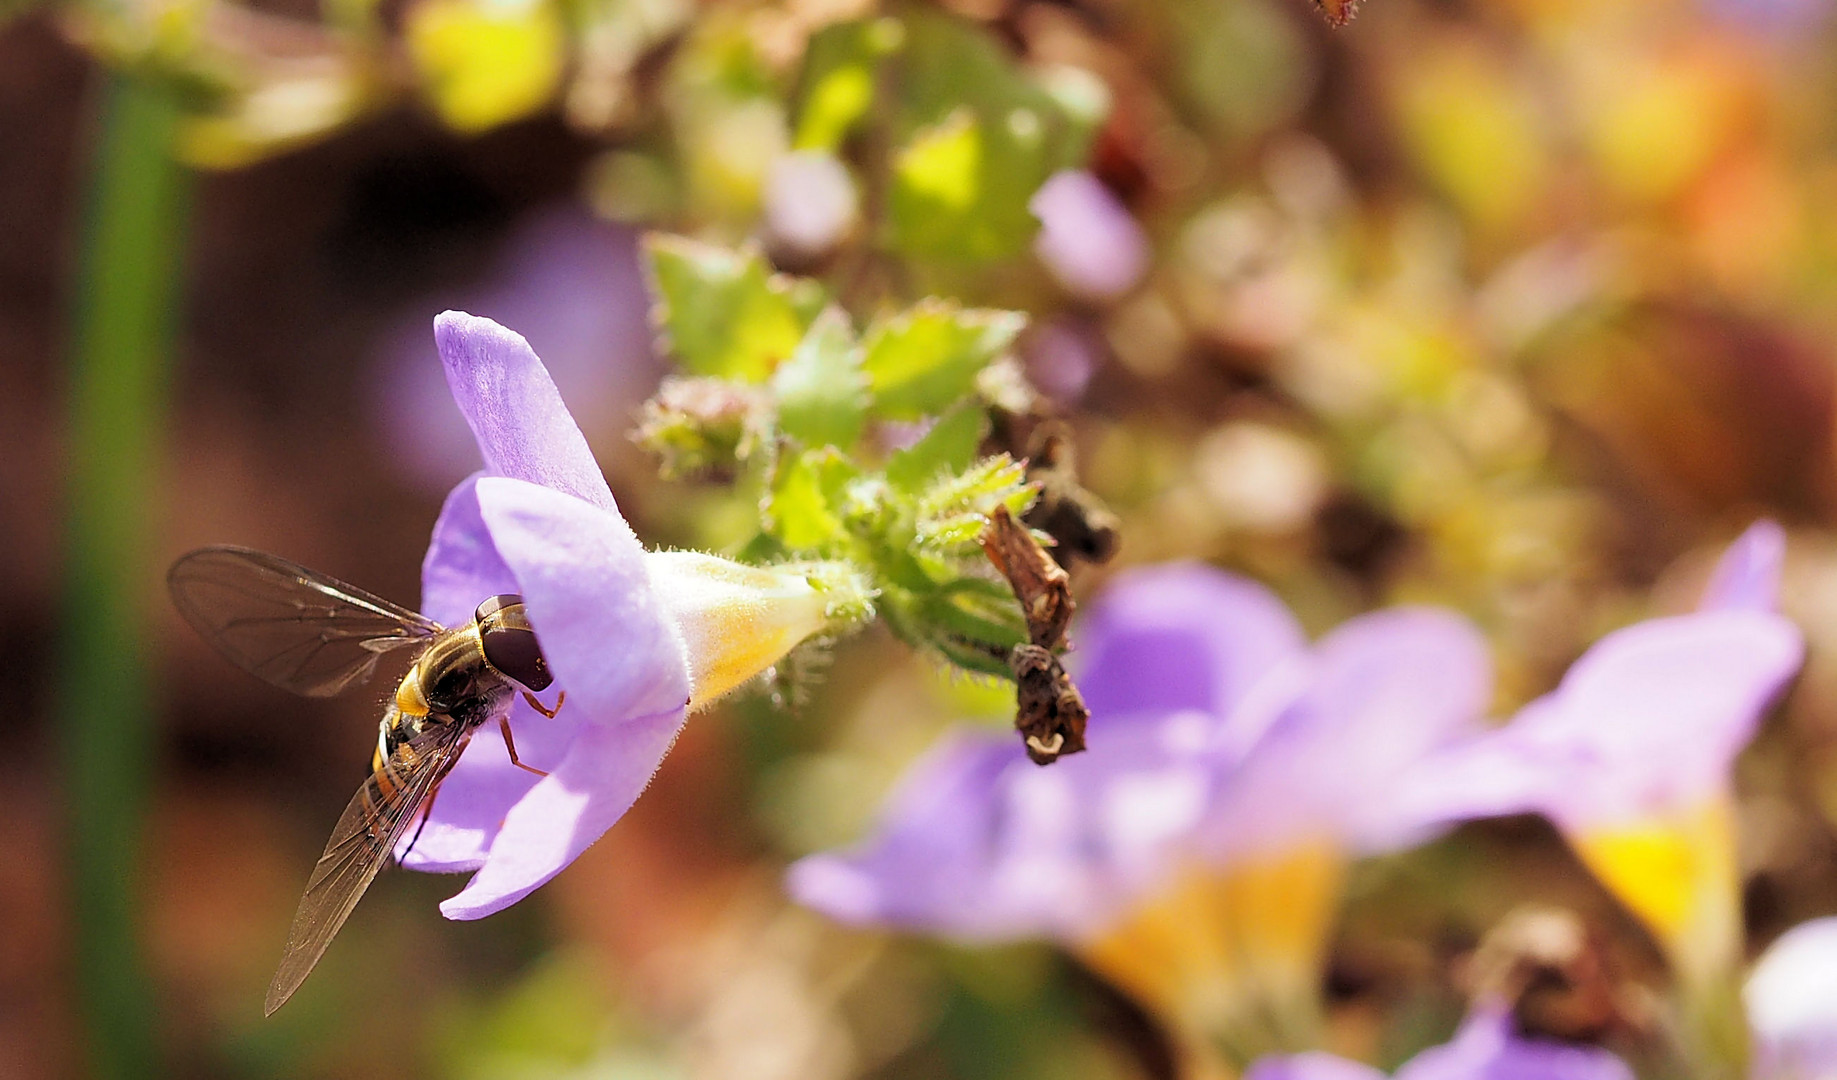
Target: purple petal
x=606 y=769
x=1087 y=239
x=1649 y=720
x=979 y=843
x=924 y=866
x=581 y=573
x=1311 y=1066
x=1486 y=1048
x=462 y=566
x=523 y=428
x=1181 y=636
x=1385 y=693
x=810 y=202
x=1747 y=577
x=1654 y=714
x=573 y=284
x=474 y=798
x=1792 y=1003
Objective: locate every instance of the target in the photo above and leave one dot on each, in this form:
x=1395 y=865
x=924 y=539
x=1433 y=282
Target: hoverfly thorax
x=472 y=667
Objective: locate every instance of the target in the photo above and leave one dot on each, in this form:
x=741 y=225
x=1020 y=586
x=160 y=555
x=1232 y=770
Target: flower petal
x=462 y=566
x=1646 y=723
x=1652 y=716
x=606 y=769
x=1487 y=1048
x=1385 y=692
x=582 y=575
x=1311 y=1066
x=1747 y=577
x=979 y=843
x=523 y=428
x=927 y=865
x=1180 y=636
x=474 y=798
x=1087 y=239
x=1792 y=1003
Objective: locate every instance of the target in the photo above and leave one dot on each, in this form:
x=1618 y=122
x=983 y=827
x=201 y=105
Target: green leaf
x=841 y=67
x=947 y=449
x=805 y=507
x=938 y=174
x=954 y=510
x=722 y=312
x=822 y=393
x=485 y=64
x=976 y=136
x=926 y=359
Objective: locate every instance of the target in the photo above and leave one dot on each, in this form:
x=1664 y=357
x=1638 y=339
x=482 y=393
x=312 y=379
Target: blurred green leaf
x=926 y=359
x=977 y=136
x=722 y=312
x=841 y=66
x=947 y=449
x=804 y=509
x=974 y=133
x=484 y=64
x=822 y=392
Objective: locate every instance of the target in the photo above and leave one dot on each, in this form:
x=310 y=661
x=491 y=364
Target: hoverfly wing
x=293 y=627
x=376 y=819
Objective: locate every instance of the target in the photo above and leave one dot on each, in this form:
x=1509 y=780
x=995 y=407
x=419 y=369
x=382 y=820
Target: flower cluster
x=1196 y=860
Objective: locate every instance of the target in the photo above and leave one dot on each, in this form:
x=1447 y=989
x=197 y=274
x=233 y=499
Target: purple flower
x=1087 y=239
x=1791 y=998
x=1630 y=755
x=636 y=639
x=810 y=203
x=575 y=283
x=1486 y=1048
x=1747 y=577
x=1789 y=20
x=1218 y=735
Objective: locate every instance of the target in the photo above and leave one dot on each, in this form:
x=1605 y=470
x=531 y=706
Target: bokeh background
x=1522 y=307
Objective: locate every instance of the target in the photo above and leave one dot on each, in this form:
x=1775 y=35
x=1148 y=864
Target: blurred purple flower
x=575 y=282
x=1747 y=577
x=810 y=203
x=1791 y=999
x=634 y=638
x=1486 y=1048
x=1630 y=757
x=1649 y=720
x=1061 y=356
x=1087 y=239
x=1218 y=735
x=1796 y=19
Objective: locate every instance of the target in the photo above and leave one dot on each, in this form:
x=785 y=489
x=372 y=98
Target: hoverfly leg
x=427 y=811
x=510 y=744
x=537 y=705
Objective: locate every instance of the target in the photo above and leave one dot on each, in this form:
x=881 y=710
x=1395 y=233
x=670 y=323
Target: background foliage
x=1507 y=305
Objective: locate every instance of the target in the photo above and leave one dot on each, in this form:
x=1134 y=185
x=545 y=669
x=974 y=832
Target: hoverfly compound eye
x=494 y=604
x=510 y=642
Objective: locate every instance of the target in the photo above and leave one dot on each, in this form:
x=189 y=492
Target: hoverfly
x=314 y=635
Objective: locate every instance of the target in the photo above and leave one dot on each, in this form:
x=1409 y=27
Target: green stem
x=125 y=297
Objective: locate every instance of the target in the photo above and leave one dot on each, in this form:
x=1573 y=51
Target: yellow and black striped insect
x=314 y=635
